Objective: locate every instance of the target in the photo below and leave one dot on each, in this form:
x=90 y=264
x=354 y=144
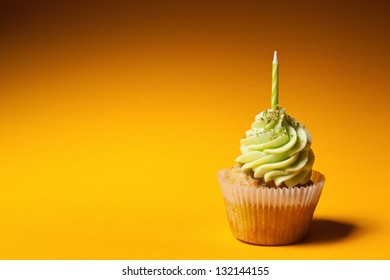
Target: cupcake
x=272 y=191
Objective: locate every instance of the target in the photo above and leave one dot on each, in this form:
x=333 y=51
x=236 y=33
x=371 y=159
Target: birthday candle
x=275 y=81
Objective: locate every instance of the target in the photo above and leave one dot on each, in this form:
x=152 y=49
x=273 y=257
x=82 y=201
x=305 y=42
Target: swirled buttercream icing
x=277 y=148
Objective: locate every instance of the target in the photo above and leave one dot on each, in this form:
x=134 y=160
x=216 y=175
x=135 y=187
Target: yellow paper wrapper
x=270 y=216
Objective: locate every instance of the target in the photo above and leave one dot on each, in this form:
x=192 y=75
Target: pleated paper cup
x=270 y=216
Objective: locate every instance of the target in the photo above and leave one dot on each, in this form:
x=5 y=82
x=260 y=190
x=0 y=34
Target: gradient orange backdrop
x=115 y=118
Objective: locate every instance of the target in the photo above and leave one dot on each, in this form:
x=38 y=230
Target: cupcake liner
x=270 y=216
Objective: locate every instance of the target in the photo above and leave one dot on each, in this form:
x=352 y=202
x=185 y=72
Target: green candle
x=275 y=81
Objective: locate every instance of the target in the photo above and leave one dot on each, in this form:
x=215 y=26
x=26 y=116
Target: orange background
x=115 y=118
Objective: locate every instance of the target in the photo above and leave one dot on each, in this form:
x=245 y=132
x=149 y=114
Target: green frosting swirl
x=277 y=148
